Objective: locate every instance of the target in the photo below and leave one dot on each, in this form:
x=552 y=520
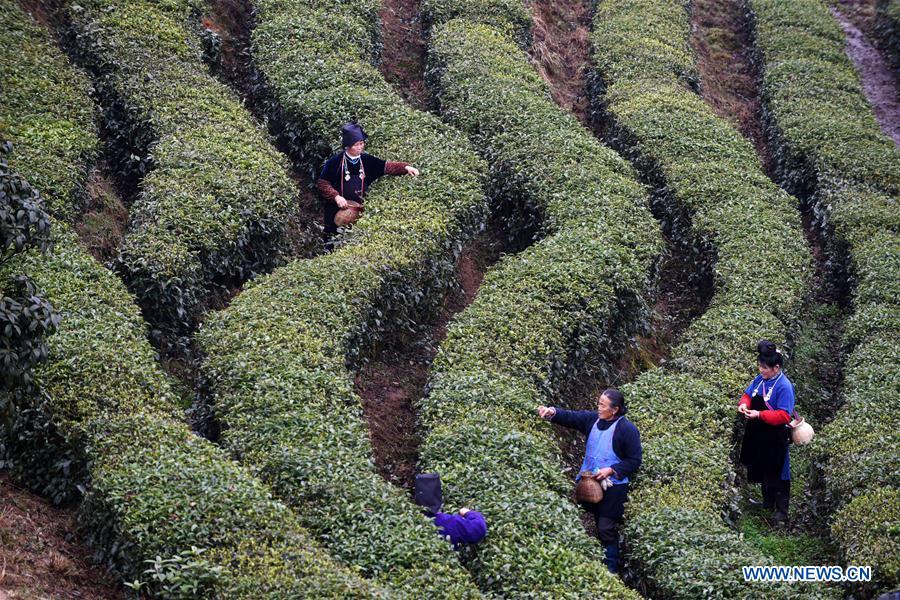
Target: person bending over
x=463 y=527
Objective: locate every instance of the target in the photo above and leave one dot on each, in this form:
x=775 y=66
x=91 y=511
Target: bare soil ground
x=38 y=10
x=103 y=222
x=728 y=75
x=881 y=83
x=561 y=52
x=40 y=556
x=403 y=56
x=392 y=383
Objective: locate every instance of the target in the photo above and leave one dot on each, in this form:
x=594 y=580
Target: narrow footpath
x=393 y=381
x=880 y=82
x=729 y=78
x=403 y=56
x=39 y=554
x=561 y=52
x=730 y=85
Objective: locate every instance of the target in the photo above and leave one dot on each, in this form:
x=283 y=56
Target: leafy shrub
x=26 y=317
x=866 y=530
x=563 y=305
x=45 y=112
x=509 y=17
x=278 y=357
x=107 y=424
x=678 y=543
x=697 y=558
x=830 y=145
x=214 y=193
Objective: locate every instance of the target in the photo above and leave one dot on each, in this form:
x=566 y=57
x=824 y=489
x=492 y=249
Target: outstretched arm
x=400 y=168
x=582 y=420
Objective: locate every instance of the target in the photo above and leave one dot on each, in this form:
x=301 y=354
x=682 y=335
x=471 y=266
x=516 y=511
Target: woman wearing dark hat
x=767 y=404
x=612 y=452
x=347 y=175
x=464 y=527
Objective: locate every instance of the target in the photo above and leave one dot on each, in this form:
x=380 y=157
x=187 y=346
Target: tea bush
x=678 y=542
x=45 y=112
x=26 y=317
x=214 y=194
x=278 y=357
x=830 y=146
x=561 y=306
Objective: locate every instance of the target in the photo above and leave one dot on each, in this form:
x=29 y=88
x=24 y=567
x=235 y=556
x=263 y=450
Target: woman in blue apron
x=612 y=451
x=348 y=174
x=767 y=404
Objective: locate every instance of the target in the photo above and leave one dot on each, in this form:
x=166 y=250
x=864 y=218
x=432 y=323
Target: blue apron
x=599 y=452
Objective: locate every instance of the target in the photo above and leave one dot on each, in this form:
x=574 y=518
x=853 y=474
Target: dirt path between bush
x=391 y=384
x=880 y=82
x=729 y=78
x=561 y=52
x=403 y=55
x=39 y=554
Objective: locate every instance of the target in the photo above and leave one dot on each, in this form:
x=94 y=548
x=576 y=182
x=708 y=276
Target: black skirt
x=764 y=446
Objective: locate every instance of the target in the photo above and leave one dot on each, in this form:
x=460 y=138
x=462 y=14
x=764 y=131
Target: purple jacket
x=468 y=529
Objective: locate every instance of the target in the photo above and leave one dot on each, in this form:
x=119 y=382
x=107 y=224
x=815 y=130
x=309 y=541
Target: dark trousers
x=776 y=494
x=608 y=513
x=330 y=230
x=607 y=530
x=328 y=240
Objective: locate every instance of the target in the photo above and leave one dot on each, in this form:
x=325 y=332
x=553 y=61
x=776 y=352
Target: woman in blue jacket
x=767 y=404
x=612 y=451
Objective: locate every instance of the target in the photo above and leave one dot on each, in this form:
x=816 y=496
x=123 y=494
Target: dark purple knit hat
x=352 y=133
x=428 y=491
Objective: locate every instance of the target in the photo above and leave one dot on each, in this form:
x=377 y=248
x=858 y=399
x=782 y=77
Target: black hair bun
x=766 y=348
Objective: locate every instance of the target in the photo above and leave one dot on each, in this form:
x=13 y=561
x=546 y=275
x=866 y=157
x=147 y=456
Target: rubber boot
x=612 y=557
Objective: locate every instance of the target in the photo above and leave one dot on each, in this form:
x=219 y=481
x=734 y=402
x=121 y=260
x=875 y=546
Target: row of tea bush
x=678 y=541
x=107 y=423
x=562 y=306
x=830 y=146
